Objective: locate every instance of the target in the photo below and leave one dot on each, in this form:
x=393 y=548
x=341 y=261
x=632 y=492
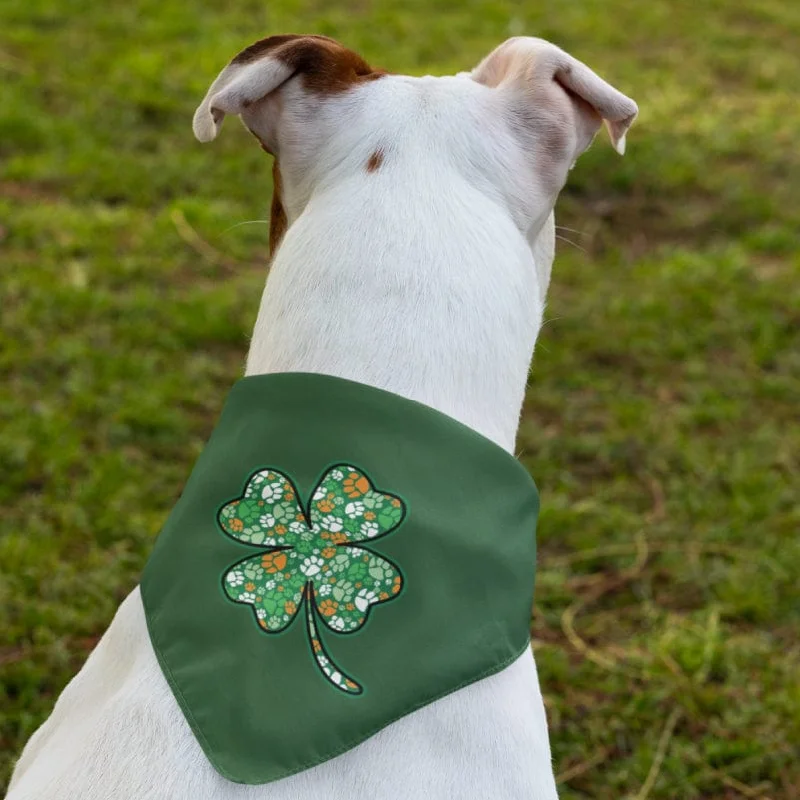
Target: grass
x=661 y=418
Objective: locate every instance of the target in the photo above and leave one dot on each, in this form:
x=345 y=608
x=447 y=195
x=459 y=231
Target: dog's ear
x=539 y=76
x=259 y=70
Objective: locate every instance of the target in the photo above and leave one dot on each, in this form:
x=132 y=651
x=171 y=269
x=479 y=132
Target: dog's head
x=513 y=127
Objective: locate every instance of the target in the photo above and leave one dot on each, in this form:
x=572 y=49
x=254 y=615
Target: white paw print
x=249 y=597
x=235 y=578
x=311 y=566
x=354 y=509
x=331 y=524
x=369 y=529
x=272 y=492
x=364 y=598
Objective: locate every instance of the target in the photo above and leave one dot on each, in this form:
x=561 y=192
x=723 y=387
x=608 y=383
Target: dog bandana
x=340 y=557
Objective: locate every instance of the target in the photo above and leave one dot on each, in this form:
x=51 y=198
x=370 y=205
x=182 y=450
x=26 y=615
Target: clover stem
x=332 y=672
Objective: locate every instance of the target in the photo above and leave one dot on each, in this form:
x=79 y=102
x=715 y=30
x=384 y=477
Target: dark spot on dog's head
x=375 y=161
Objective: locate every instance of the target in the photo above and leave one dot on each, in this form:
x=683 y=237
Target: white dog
x=413 y=234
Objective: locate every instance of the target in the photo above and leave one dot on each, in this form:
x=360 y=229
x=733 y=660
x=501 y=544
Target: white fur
x=426 y=277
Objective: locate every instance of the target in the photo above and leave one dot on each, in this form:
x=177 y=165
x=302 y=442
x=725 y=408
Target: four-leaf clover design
x=314 y=556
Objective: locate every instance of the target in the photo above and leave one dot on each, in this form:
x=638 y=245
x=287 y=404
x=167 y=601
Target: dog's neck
x=439 y=301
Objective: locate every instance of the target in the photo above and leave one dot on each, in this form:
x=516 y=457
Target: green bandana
x=340 y=557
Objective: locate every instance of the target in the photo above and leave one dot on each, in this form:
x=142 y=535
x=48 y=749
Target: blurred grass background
x=661 y=422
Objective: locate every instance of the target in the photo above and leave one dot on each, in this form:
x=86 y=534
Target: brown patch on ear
x=277 y=221
x=263 y=47
x=325 y=65
x=375 y=160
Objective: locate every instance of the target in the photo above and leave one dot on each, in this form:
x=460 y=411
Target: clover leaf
x=314 y=557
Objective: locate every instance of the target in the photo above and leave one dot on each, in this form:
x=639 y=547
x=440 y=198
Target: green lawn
x=661 y=421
